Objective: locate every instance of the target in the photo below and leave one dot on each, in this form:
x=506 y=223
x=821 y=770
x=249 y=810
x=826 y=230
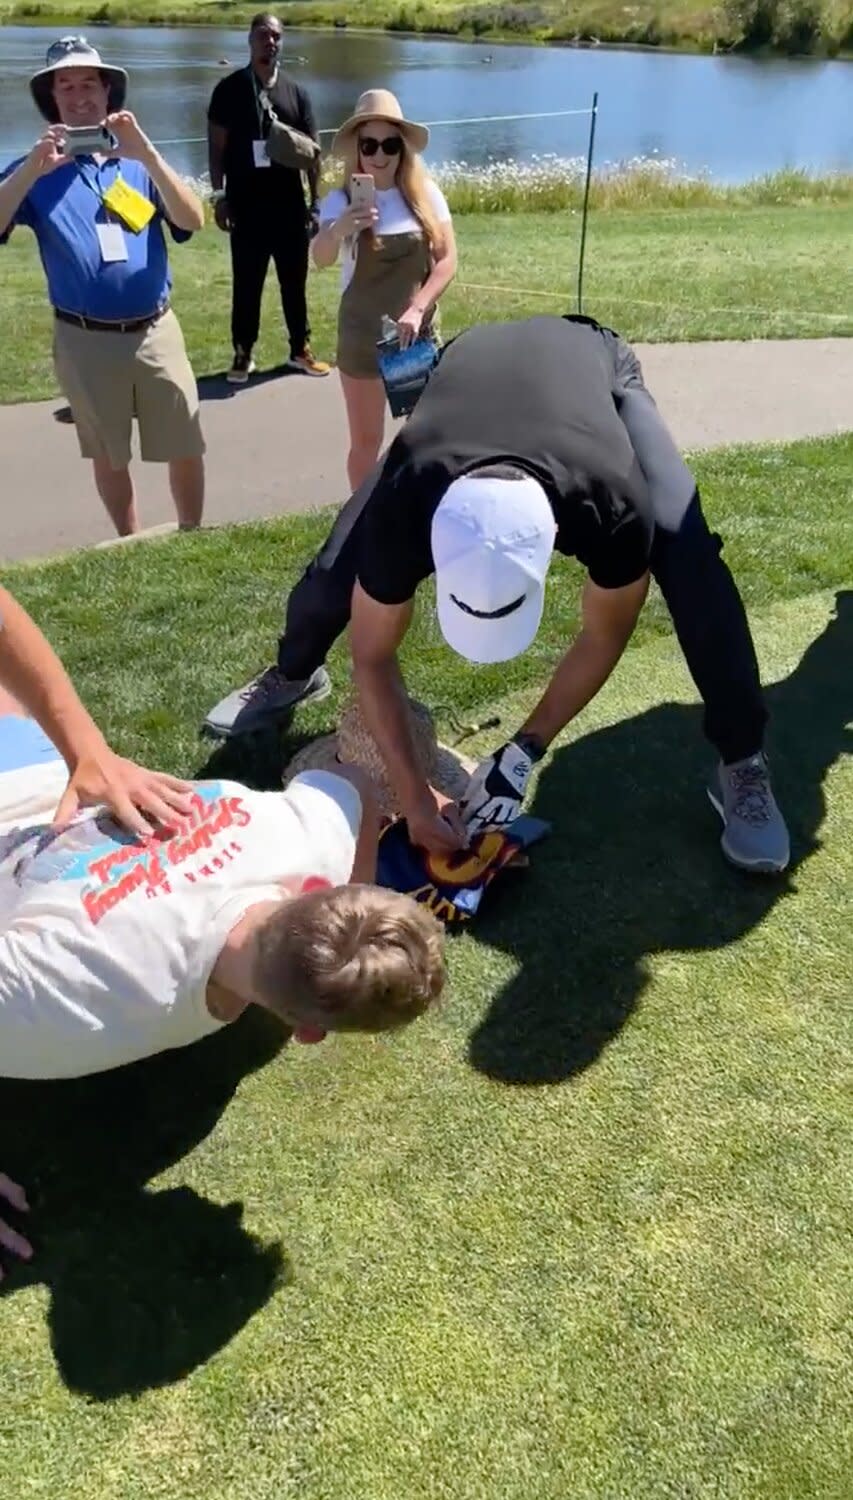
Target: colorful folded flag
x=453 y=885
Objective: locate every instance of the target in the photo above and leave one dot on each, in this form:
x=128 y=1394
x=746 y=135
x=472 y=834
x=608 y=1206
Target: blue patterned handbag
x=405 y=372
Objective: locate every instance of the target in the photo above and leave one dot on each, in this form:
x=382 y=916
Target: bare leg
x=365 y=403
x=115 y=488
x=186 y=480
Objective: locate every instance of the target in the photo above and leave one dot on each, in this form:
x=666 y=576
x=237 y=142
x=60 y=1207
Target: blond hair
x=413 y=181
x=353 y=958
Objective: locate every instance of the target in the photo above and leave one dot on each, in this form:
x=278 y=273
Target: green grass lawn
x=580 y=1236
x=691 y=272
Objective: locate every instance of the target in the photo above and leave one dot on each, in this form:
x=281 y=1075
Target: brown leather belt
x=98 y=325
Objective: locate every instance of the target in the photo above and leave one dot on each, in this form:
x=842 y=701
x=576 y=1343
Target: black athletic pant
x=255 y=239
x=713 y=632
x=706 y=609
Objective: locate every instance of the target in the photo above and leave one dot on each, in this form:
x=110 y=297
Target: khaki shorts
x=110 y=378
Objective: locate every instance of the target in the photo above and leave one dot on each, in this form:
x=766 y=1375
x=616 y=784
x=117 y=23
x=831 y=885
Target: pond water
x=731 y=117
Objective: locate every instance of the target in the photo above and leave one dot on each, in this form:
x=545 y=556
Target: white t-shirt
x=108 y=942
x=395 y=217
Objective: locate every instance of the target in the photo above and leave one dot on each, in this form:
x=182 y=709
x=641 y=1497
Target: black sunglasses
x=392 y=145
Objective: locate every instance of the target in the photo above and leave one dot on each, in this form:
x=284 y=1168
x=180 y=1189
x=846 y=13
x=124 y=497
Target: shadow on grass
x=145 y=1284
x=633 y=867
x=257 y=760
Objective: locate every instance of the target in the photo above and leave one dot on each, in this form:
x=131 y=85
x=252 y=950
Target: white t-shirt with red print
x=107 y=942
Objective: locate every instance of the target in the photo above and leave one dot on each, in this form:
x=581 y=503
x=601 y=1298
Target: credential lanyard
x=93 y=186
x=263 y=107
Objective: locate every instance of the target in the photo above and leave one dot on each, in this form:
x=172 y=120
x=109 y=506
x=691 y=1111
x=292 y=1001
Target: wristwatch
x=531 y=745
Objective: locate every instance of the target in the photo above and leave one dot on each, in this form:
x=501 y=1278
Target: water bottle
x=389 y=340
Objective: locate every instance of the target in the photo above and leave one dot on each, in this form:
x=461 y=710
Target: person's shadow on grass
x=633 y=867
x=145 y=1283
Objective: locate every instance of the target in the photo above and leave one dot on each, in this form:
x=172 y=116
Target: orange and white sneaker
x=308 y=364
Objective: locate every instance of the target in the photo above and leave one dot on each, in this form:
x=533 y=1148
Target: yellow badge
x=128 y=205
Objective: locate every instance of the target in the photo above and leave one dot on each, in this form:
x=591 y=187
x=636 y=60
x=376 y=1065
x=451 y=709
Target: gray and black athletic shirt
x=537 y=394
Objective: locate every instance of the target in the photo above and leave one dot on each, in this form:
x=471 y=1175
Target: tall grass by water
x=789 y=27
x=551 y=183
x=557 y=183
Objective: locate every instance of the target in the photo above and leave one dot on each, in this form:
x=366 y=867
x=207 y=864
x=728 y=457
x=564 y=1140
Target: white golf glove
x=494 y=795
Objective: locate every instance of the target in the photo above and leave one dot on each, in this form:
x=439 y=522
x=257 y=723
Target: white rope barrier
x=616 y=296
x=548 y=114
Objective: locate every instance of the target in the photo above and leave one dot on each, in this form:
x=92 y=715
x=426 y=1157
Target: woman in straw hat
x=398 y=257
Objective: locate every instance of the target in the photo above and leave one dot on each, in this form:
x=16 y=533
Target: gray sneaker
x=754 y=835
x=263 y=700
x=242 y=367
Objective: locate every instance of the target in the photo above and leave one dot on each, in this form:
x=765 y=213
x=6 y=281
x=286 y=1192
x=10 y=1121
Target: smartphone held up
x=87 y=140
x=363 y=191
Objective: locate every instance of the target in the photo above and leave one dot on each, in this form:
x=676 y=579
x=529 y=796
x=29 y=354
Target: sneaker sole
x=756 y=866
x=239 y=379
x=210 y=731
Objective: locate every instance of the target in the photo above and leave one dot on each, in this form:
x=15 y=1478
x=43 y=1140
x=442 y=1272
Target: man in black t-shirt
x=258 y=201
x=530 y=437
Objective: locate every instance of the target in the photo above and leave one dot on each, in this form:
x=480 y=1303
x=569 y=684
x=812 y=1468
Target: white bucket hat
x=492 y=541
x=74 y=52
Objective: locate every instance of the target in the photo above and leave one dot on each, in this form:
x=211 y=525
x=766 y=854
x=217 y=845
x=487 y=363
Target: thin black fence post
x=589 y=155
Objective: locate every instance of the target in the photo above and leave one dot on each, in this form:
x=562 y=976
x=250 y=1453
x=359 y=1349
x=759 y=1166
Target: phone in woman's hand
x=362 y=191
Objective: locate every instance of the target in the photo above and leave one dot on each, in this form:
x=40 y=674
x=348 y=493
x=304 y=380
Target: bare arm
x=313 y=175
x=444 y=267
x=376 y=631
x=411 y=319
x=326 y=244
x=308 y=125
x=45 y=156
x=608 y=620
x=217 y=140
x=31 y=670
x=14 y=190
x=182 y=206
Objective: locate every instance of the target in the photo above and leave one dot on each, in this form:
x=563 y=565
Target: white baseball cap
x=492 y=541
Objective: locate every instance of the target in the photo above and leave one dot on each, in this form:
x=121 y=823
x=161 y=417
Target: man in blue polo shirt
x=98 y=219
